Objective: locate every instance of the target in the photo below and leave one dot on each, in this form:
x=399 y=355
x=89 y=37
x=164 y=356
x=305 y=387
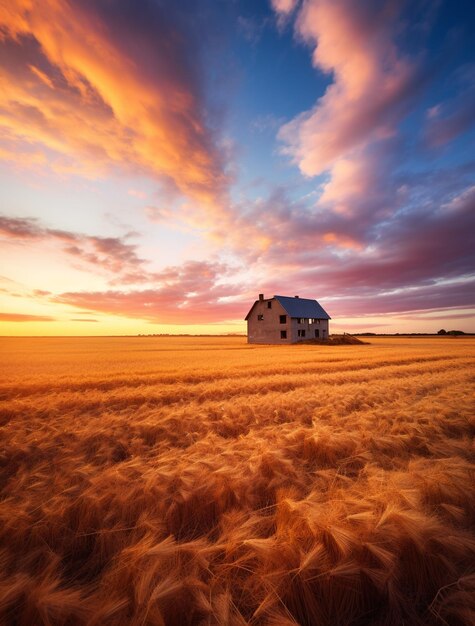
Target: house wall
x=321 y=325
x=268 y=329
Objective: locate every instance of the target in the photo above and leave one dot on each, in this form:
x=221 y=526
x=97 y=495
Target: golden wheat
x=204 y=481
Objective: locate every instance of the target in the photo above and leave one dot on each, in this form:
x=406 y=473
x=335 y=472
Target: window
x=311 y=321
x=317 y=332
x=260 y=318
x=283 y=319
x=301 y=333
x=301 y=320
x=269 y=305
x=283 y=333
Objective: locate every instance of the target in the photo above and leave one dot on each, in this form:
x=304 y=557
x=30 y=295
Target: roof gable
x=250 y=310
x=257 y=302
x=302 y=307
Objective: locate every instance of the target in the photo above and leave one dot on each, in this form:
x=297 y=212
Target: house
x=286 y=320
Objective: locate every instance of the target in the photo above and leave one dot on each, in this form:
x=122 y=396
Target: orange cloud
x=21 y=317
x=94 y=91
x=80 y=319
x=342 y=241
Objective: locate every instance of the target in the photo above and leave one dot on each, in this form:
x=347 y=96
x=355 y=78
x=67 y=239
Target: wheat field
x=202 y=481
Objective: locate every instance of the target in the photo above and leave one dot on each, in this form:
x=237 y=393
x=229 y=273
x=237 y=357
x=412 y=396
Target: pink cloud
x=371 y=82
x=284 y=6
x=344 y=217
x=359 y=188
x=348 y=302
x=421 y=259
x=136 y=193
x=446 y=316
x=283 y=9
x=111 y=254
x=445 y=127
x=195 y=293
x=20 y=228
x=375 y=240
x=156 y=214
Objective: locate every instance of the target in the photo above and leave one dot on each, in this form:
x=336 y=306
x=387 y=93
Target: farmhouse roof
x=299 y=307
x=302 y=307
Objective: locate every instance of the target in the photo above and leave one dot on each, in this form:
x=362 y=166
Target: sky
x=162 y=163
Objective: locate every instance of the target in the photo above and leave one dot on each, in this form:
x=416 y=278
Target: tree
x=442 y=331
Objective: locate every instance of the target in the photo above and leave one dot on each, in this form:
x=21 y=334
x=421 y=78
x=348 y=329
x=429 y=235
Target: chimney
x=295 y=296
x=261 y=296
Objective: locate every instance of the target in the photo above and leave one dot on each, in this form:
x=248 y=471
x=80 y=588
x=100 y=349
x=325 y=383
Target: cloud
x=372 y=82
x=374 y=237
x=342 y=215
x=265 y=123
x=194 y=293
x=415 y=259
x=90 y=84
x=459 y=118
x=454 y=116
x=447 y=316
x=251 y=29
x=421 y=299
x=156 y=214
x=20 y=228
x=112 y=254
x=284 y=6
x=283 y=9
x=21 y=317
x=80 y=319
x=405 y=261
x=41 y=292
x=136 y=193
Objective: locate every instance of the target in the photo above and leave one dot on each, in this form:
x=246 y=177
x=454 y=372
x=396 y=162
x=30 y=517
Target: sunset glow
x=162 y=163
